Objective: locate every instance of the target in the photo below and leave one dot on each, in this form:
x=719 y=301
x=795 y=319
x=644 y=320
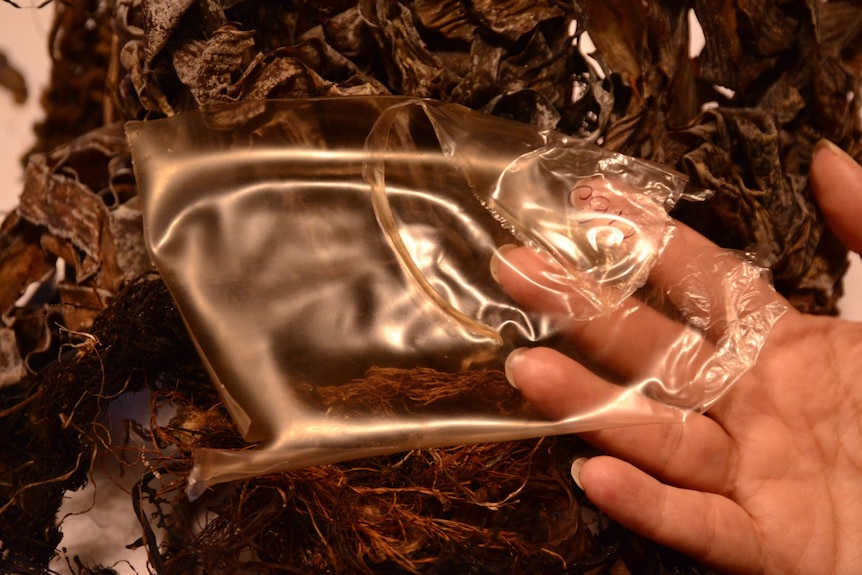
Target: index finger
x=695 y=330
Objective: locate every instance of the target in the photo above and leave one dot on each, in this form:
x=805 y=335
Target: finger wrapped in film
x=336 y=263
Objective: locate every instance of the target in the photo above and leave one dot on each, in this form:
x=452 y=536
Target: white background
x=23 y=38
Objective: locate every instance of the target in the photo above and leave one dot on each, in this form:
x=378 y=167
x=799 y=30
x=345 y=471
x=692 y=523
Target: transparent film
x=337 y=262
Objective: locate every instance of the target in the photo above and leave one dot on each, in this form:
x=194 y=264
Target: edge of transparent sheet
x=331 y=259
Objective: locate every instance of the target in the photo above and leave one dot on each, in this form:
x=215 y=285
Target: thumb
x=836 y=180
x=706 y=526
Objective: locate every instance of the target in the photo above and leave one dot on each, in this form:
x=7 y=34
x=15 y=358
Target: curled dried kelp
x=742 y=122
x=474 y=55
x=11 y=363
x=82 y=199
x=639 y=93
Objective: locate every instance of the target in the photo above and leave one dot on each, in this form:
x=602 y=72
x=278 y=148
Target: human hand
x=770 y=479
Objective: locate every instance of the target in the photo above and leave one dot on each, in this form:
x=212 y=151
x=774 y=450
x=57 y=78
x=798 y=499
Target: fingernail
x=577 y=465
x=498 y=257
x=824 y=144
x=511 y=362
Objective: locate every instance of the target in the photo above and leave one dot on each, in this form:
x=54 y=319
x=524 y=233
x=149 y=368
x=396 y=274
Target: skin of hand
x=769 y=480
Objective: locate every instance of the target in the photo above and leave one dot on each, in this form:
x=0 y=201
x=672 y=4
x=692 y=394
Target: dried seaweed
x=79 y=45
x=518 y=59
x=740 y=119
x=50 y=421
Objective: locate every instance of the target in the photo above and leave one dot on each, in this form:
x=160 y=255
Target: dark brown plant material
x=80 y=47
x=740 y=119
x=13 y=80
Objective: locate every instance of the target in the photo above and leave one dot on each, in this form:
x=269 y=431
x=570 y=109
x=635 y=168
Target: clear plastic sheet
x=315 y=245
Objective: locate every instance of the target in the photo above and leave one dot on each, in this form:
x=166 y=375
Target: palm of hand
x=794 y=427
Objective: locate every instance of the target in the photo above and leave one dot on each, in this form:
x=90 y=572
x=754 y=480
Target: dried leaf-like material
x=534 y=75
x=148 y=95
x=619 y=31
x=511 y=19
x=413 y=68
x=79 y=196
x=22 y=260
x=68 y=210
x=213 y=69
x=341 y=55
x=839 y=31
x=25 y=269
x=741 y=154
x=347 y=34
x=11 y=363
x=731 y=57
x=744 y=148
x=449 y=18
x=58 y=195
x=161 y=19
x=332 y=70
x=754 y=149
